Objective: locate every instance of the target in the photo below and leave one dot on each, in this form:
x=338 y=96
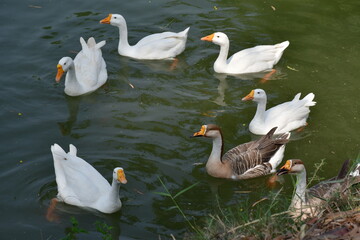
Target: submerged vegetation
x=75 y=230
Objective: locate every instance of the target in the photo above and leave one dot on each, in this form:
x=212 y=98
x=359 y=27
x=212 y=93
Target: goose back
x=337 y=184
x=245 y=157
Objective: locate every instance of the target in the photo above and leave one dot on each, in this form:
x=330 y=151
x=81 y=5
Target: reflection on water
x=223 y=85
x=73 y=108
x=220 y=100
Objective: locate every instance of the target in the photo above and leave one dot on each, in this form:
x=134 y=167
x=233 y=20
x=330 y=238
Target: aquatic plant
x=74 y=230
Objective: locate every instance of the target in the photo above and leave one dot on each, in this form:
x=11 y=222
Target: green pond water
x=146 y=129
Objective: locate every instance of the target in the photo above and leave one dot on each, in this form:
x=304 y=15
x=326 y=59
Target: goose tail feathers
x=283 y=45
x=184 y=33
x=308 y=99
x=72 y=150
x=58 y=152
x=91 y=42
x=344 y=170
x=100 y=44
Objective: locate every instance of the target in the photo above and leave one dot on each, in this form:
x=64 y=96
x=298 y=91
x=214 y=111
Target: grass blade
x=163 y=194
x=186 y=189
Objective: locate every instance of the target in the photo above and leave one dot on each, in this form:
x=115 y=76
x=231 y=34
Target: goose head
x=293 y=166
x=209 y=131
x=255 y=95
x=115 y=20
x=62 y=67
x=119 y=175
x=218 y=38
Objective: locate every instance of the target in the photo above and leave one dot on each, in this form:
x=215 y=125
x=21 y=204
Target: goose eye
x=64 y=63
x=115 y=17
x=217 y=36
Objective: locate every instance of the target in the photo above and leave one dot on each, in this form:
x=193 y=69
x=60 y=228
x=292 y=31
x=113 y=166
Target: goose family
x=308 y=202
x=248 y=160
x=251 y=60
x=80 y=184
x=87 y=72
x=286 y=117
x=165 y=45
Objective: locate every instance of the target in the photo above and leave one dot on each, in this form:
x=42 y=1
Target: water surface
x=146 y=129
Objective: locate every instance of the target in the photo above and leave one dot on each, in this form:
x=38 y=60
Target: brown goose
x=248 y=160
x=308 y=202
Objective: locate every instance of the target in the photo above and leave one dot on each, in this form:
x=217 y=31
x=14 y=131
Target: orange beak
x=208 y=38
x=250 y=96
x=59 y=74
x=285 y=169
x=107 y=19
x=121 y=176
x=201 y=132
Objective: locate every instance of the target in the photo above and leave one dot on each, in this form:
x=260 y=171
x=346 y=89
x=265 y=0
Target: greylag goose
x=308 y=202
x=248 y=160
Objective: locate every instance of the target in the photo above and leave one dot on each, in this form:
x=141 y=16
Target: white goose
x=248 y=160
x=82 y=185
x=286 y=116
x=164 y=45
x=87 y=72
x=309 y=202
x=251 y=60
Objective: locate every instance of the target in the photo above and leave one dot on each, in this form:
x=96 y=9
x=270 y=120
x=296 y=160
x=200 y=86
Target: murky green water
x=146 y=129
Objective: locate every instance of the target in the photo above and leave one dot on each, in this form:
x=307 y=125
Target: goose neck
x=299 y=197
x=114 y=192
x=220 y=62
x=260 y=110
x=214 y=163
x=71 y=81
x=123 y=37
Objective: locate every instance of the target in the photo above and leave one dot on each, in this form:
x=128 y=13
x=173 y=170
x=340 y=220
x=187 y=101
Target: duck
x=165 y=45
x=87 y=72
x=81 y=185
x=286 y=117
x=245 y=161
x=309 y=202
x=261 y=58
